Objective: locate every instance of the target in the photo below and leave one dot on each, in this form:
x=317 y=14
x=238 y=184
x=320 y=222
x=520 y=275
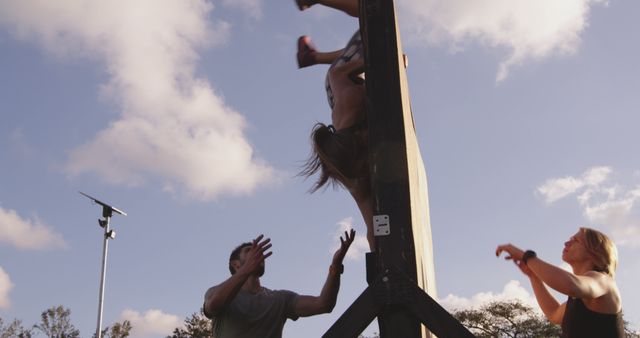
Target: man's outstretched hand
x=345 y=243
x=257 y=254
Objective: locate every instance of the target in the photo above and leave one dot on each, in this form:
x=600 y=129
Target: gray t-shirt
x=260 y=315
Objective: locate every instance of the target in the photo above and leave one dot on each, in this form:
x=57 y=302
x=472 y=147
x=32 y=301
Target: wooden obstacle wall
x=401 y=275
x=399 y=180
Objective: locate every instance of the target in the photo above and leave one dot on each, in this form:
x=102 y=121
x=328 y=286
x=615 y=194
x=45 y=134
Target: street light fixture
x=107 y=212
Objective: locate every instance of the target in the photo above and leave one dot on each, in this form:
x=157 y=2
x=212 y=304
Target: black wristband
x=528 y=255
x=336 y=269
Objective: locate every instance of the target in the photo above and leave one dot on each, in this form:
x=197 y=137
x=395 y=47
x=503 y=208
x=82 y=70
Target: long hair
x=340 y=157
x=603 y=249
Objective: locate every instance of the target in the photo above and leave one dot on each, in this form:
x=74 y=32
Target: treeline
x=510 y=319
x=494 y=320
x=55 y=322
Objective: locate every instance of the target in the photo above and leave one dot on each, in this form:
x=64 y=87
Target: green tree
x=514 y=319
x=507 y=319
x=117 y=330
x=55 y=322
x=14 y=330
x=631 y=333
x=529 y=325
x=195 y=326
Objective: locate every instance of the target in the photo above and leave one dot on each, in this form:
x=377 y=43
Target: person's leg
x=348 y=6
x=365 y=205
x=309 y=56
x=328 y=57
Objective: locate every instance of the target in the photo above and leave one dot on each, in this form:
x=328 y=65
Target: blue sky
x=193 y=118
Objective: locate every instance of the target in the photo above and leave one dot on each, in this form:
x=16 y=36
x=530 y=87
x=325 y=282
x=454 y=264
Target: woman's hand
x=513 y=253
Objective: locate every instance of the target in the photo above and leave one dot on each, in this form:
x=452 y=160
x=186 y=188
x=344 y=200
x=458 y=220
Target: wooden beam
x=399 y=181
x=403 y=290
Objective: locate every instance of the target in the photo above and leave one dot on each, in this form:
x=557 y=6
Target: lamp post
x=107 y=212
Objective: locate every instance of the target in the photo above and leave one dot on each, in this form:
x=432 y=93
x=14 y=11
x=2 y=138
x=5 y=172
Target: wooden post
x=402 y=290
x=399 y=182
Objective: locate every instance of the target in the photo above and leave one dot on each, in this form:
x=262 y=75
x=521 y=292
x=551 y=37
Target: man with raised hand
x=240 y=307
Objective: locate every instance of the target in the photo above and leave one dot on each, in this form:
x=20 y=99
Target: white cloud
x=512 y=290
x=360 y=245
x=152 y=322
x=616 y=213
x=528 y=30
x=28 y=234
x=596 y=175
x=603 y=203
x=557 y=188
x=5 y=287
x=174 y=128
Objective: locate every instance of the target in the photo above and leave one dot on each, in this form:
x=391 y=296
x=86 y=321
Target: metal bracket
x=381 y=225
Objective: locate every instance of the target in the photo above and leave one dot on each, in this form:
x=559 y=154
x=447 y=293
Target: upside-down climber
x=340 y=149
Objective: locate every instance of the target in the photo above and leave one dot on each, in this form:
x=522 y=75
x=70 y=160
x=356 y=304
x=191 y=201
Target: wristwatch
x=336 y=269
x=528 y=255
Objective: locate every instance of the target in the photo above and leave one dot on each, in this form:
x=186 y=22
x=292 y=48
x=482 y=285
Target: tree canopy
x=55 y=322
x=507 y=319
x=195 y=326
x=14 y=330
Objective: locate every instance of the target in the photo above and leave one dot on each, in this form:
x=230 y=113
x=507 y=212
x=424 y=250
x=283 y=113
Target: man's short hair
x=235 y=255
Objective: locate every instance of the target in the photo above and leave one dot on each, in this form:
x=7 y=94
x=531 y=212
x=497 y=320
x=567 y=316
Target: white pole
x=102 y=278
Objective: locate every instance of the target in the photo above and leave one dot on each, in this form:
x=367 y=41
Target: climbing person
x=340 y=150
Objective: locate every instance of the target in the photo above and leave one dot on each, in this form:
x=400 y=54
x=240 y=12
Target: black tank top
x=580 y=322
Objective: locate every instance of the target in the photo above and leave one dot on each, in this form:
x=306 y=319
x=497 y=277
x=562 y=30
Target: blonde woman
x=593 y=307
